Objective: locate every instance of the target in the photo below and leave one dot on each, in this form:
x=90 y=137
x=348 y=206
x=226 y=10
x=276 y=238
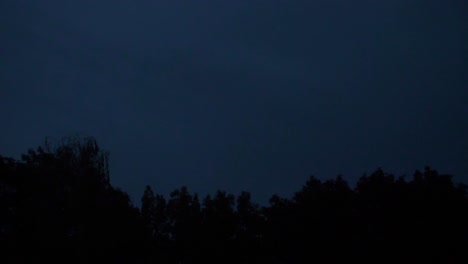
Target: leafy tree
x=58 y=200
x=148 y=210
x=250 y=230
x=61 y=200
x=219 y=226
x=184 y=220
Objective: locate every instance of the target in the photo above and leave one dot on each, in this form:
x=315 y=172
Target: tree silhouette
x=60 y=200
x=219 y=226
x=251 y=230
x=184 y=217
x=57 y=203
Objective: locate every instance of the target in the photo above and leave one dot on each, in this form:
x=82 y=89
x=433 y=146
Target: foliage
x=57 y=203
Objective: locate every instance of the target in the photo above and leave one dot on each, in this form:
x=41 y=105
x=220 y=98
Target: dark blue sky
x=240 y=95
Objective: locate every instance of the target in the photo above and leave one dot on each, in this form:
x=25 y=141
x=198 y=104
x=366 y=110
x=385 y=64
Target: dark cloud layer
x=253 y=95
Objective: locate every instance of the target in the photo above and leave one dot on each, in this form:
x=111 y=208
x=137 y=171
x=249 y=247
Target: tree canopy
x=57 y=203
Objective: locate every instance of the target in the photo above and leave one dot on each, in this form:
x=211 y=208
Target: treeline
x=57 y=204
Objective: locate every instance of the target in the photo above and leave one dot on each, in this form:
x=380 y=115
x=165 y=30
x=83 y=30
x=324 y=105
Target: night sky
x=240 y=95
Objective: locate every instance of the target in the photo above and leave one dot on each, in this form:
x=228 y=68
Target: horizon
x=240 y=95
